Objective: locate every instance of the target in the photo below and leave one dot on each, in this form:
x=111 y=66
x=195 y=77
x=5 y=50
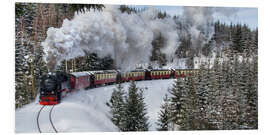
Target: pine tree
x=157 y=55
x=243 y=93
x=203 y=91
x=229 y=101
x=22 y=94
x=192 y=117
x=135 y=115
x=117 y=105
x=252 y=95
x=179 y=103
x=164 y=116
x=215 y=117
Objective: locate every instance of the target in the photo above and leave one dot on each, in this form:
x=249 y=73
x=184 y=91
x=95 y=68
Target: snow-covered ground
x=86 y=110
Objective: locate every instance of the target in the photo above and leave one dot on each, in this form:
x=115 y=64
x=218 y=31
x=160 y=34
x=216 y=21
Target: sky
x=241 y=15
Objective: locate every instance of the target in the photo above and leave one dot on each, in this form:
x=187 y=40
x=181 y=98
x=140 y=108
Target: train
x=54 y=85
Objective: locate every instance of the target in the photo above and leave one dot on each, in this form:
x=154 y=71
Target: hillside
x=86 y=110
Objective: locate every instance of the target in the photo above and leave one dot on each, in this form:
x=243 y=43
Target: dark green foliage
x=224 y=97
x=185 y=47
x=207 y=48
x=157 y=55
x=179 y=102
x=84 y=7
x=117 y=105
x=135 y=115
x=22 y=96
x=129 y=110
x=164 y=116
x=90 y=62
x=127 y=9
x=162 y=15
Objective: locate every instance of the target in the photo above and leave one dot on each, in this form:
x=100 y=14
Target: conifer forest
x=223 y=95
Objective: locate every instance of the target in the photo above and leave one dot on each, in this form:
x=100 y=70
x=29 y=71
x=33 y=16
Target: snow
x=86 y=110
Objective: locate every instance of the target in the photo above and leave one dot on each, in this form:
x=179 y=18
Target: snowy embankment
x=86 y=111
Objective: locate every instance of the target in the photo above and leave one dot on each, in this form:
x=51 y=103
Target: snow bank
x=86 y=111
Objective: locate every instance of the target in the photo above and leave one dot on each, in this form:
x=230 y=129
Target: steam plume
x=125 y=37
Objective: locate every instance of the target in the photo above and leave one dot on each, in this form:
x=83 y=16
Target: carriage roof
x=87 y=73
x=79 y=74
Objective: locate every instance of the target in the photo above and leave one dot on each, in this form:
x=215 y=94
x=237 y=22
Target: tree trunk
x=33 y=92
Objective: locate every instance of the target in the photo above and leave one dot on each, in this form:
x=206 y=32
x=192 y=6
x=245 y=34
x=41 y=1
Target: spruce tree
x=252 y=95
x=179 y=103
x=192 y=106
x=135 y=110
x=164 y=116
x=205 y=99
x=22 y=94
x=244 y=94
x=117 y=106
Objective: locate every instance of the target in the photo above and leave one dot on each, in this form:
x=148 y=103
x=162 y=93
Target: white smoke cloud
x=199 y=21
x=125 y=37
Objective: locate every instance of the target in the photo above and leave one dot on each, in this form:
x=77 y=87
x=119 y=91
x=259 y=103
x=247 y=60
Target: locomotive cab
x=51 y=88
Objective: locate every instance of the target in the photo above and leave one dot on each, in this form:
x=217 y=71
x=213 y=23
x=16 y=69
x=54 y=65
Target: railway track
x=42 y=125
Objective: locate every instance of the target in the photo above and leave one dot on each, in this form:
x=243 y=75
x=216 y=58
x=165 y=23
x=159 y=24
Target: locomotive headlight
x=42 y=92
x=52 y=92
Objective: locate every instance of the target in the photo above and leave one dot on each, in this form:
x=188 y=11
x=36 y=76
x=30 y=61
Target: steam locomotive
x=53 y=85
